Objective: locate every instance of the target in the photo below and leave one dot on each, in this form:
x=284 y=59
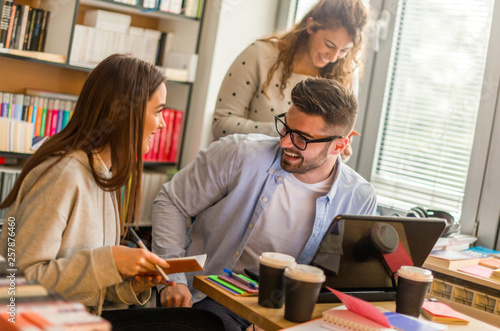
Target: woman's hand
x=131 y=261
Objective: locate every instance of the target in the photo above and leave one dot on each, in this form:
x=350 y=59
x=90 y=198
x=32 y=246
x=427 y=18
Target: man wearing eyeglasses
x=250 y=194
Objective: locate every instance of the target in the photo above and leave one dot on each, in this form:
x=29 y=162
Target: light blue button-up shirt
x=226 y=190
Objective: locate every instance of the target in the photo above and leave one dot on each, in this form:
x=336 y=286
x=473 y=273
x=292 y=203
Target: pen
x=141 y=245
x=241 y=279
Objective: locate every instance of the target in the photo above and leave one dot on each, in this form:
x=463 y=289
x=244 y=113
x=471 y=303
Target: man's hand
x=176 y=296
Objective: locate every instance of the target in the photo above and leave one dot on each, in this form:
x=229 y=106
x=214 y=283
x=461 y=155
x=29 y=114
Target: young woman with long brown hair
x=67 y=202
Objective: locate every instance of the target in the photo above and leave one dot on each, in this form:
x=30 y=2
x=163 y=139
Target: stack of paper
x=442 y=313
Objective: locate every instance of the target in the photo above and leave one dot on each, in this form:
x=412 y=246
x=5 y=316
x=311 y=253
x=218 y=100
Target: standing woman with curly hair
x=326 y=43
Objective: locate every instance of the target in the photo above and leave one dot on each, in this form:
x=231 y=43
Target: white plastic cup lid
x=276 y=260
x=305 y=273
x=415 y=273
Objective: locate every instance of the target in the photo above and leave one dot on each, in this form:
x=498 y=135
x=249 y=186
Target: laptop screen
x=361 y=253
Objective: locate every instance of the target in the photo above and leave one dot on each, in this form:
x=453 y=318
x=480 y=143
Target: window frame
x=481 y=210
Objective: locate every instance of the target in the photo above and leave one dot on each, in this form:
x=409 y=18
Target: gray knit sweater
x=241 y=105
x=65 y=227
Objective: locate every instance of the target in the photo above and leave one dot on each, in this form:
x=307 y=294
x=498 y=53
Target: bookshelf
x=53 y=70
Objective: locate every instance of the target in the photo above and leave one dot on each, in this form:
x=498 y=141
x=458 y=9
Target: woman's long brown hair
x=326 y=14
x=110 y=112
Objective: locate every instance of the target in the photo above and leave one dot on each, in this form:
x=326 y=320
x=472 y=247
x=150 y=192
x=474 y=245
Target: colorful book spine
x=18 y=106
x=39 y=112
x=44 y=117
x=172 y=155
x=34 y=103
x=155 y=145
x=22 y=27
x=27 y=29
x=66 y=113
x=5 y=104
x=26 y=108
x=11 y=25
x=163 y=137
x=10 y=105
x=169 y=118
x=5 y=21
x=48 y=119
x=55 y=118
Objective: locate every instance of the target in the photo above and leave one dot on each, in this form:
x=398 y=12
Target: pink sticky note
x=477 y=270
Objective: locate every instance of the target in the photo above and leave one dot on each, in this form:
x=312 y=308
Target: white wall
x=229 y=27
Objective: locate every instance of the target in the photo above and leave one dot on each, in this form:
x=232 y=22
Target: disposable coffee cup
x=271 y=284
x=302 y=286
x=413 y=284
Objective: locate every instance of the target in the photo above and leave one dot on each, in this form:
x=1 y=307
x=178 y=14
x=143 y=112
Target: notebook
x=366 y=273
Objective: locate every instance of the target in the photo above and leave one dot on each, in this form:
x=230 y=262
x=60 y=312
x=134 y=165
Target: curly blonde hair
x=352 y=15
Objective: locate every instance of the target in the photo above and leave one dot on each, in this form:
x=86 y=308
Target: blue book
x=407 y=323
x=479 y=251
x=34 y=106
x=60 y=120
x=17 y=106
x=66 y=114
x=5 y=107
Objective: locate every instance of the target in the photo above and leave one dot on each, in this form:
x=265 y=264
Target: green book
x=44 y=117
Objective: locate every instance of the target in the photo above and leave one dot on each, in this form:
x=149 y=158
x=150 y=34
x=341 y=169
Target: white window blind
x=431 y=101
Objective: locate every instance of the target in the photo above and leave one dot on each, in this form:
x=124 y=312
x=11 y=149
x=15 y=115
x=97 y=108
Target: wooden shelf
x=112 y=5
x=15 y=155
x=464 y=276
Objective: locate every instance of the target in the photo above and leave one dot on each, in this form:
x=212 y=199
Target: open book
x=182 y=264
x=361 y=315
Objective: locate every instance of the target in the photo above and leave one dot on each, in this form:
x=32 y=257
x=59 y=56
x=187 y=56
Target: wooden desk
x=272 y=319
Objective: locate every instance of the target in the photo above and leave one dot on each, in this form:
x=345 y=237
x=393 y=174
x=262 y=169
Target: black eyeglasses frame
x=293 y=133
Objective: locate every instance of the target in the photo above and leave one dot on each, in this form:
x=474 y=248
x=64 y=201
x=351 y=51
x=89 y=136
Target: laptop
x=360 y=254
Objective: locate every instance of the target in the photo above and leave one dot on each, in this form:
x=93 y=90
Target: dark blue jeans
x=164 y=319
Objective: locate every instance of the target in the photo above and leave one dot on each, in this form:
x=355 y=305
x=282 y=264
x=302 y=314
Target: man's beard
x=304 y=165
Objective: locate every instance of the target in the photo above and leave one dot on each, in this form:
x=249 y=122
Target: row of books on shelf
x=479 y=261
x=190 y=8
x=23 y=27
x=151 y=185
x=104 y=33
x=8 y=176
x=165 y=143
x=25 y=119
x=91 y=45
x=455 y=242
x=152 y=181
x=16 y=136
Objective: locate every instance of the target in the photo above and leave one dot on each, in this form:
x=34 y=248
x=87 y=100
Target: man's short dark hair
x=329 y=99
